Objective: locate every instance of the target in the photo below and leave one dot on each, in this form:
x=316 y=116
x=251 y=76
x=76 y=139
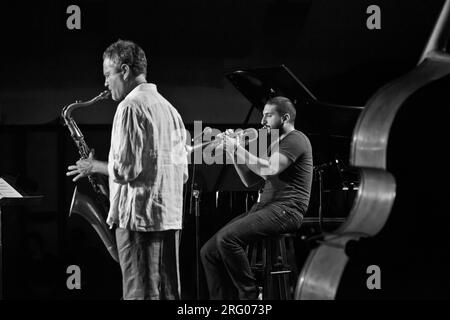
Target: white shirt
x=147 y=163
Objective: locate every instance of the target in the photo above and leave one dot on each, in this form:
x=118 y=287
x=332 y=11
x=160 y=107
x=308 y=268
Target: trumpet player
x=147 y=167
x=287 y=176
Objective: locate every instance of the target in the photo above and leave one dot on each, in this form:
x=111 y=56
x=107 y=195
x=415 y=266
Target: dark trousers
x=225 y=262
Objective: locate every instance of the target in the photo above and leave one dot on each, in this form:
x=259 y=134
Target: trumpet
x=244 y=137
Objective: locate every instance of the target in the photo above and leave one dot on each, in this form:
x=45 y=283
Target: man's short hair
x=283 y=105
x=127 y=52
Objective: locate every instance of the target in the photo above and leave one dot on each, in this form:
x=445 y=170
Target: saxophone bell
x=86 y=208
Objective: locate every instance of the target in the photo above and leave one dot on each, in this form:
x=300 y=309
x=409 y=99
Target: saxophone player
x=147 y=167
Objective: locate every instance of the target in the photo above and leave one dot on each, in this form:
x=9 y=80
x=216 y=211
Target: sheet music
x=6 y=191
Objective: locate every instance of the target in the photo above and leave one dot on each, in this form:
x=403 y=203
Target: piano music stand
x=22 y=199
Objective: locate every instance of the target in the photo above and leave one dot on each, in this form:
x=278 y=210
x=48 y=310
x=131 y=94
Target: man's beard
x=269 y=128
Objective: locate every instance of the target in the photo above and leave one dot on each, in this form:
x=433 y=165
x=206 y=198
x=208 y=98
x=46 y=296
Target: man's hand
x=230 y=144
x=83 y=167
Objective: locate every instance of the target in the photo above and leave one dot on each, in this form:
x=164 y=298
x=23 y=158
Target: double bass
x=398 y=222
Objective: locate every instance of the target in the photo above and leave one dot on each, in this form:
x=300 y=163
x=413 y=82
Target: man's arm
x=87 y=167
x=276 y=164
x=100 y=167
x=248 y=177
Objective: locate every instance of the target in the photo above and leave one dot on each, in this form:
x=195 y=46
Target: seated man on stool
x=284 y=201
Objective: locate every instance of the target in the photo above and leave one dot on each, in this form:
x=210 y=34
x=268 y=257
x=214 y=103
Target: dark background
x=190 y=46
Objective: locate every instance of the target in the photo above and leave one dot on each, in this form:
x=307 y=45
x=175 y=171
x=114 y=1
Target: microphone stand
x=319 y=174
x=319 y=170
x=195 y=193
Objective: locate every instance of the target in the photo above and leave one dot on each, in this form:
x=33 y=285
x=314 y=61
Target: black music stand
x=10 y=195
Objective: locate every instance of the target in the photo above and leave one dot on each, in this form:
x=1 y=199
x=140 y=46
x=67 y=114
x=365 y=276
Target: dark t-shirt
x=292 y=187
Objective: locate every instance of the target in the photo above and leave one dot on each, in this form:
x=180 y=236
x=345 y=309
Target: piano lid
x=313 y=115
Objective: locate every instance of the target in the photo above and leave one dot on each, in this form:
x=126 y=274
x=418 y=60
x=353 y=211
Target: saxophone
x=93 y=211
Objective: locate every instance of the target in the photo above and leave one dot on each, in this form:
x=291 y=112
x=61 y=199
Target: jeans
x=225 y=262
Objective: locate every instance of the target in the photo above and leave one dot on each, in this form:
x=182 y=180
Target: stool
x=273 y=263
